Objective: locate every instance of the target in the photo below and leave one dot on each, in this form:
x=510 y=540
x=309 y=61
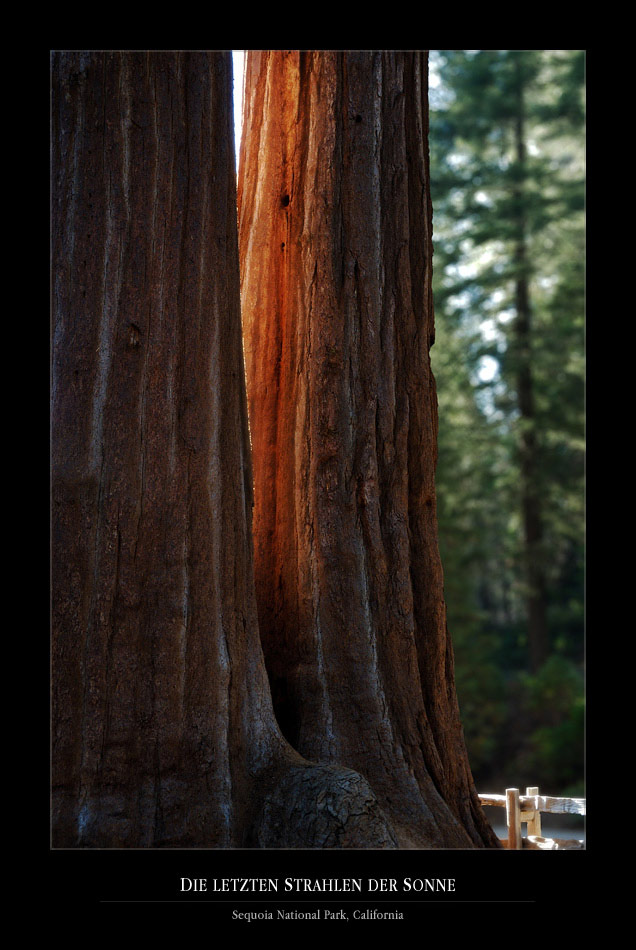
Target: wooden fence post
x=534 y=823
x=513 y=819
x=528 y=808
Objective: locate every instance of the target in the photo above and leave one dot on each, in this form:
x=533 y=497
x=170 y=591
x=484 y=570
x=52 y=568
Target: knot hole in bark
x=134 y=336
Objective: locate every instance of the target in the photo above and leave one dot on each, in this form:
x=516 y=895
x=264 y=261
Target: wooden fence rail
x=528 y=808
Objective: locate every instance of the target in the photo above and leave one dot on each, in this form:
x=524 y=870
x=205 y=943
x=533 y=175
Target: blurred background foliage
x=507 y=171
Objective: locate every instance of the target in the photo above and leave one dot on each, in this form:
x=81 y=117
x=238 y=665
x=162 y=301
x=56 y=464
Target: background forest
x=507 y=170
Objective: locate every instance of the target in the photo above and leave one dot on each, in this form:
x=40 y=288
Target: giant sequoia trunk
x=335 y=243
x=163 y=731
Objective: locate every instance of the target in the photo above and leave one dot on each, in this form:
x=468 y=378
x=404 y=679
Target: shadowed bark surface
x=335 y=245
x=162 y=727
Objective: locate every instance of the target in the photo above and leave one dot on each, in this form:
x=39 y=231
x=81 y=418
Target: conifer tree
x=508 y=197
x=335 y=246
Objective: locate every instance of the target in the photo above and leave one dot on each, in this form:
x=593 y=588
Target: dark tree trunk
x=335 y=243
x=163 y=731
x=532 y=518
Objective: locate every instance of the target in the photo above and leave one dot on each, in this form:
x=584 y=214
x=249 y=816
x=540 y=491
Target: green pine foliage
x=507 y=172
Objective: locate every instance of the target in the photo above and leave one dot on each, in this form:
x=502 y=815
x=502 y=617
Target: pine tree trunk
x=530 y=497
x=335 y=244
x=163 y=731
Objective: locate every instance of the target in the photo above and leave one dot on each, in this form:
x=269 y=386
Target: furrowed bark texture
x=335 y=245
x=163 y=731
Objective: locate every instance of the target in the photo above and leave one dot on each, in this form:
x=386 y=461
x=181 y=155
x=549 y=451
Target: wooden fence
x=528 y=808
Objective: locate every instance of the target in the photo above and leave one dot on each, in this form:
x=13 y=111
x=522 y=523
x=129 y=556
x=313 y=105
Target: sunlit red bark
x=335 y=250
